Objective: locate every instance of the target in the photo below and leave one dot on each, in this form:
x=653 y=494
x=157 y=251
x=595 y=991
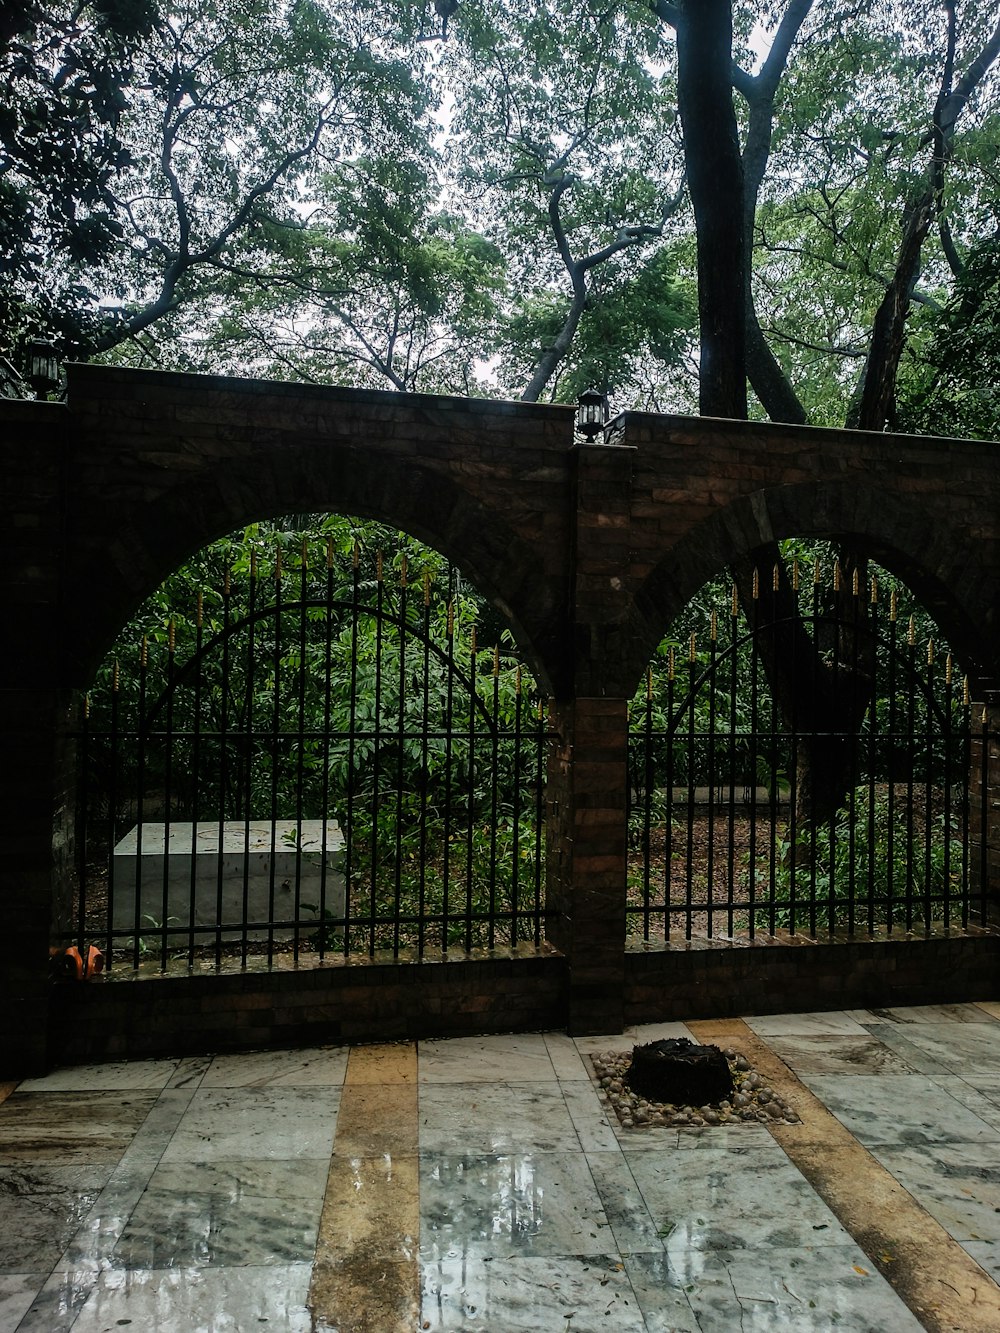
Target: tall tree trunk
x=715 y=179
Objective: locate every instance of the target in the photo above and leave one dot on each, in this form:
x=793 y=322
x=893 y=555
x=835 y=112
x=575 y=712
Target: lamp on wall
x=591 y=413
x=43 y=367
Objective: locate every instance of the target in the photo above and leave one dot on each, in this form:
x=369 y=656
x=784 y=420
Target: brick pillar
x=33 y=778
x=36 y=868
x=587 y=820
x=984 y=803
x=587 y=847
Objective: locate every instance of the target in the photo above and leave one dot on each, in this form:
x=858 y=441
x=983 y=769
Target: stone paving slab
x=482 y=1183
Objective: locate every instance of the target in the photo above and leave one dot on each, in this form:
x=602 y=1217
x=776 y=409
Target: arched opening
x=844 y=806
x=315 y=738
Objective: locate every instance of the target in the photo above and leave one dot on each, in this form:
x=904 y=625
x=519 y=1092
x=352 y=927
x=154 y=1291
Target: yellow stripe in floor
x=366 y=1277
x=943 y=1285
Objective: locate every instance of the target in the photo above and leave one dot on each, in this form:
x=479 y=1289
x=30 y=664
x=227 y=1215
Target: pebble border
x=753 y=1101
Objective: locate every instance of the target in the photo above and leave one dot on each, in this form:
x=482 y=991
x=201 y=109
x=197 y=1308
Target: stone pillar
x=984 y=803
x=587 y=789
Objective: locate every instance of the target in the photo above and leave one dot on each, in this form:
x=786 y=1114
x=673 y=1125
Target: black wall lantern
x=43 y=367
x=591 y=413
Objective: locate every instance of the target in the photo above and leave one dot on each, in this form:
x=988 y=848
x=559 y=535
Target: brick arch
x=148 y=542
x=908 y=538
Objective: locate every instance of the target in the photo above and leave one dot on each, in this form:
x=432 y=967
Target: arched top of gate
x=953 y=578
x=164 y=463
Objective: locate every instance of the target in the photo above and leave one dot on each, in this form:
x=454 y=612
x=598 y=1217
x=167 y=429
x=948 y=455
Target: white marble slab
x=313 y=1067
x=247 y=1124
x=522 y=1204
x=495 y=1118
x=806 y=1025
x=900 y=1109
x=116 y=1076
x=530 y=1295
x=958 y=1184
x=509 y=1058
x=17 y=1291
x=733 y=1198
x=200 y=1300
x=808 y=1289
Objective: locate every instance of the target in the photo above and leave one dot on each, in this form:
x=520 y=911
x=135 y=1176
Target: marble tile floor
x=480 y=1183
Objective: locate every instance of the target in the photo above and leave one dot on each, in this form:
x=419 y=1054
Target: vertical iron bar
x=223 y=758
x=839 y=739
x=811 y=728
x=947 y=830
x=376 y=752
x=772 y=787
x=140 y=799
x=752 y=774
x=853 y=741
x=984 y=814
x=711 y=773
x=471 y=797
x=966 y=803
x=401 y=758
x=277 y=622
x=515 y=869
x=424 y=767
x=494 y=784
x=248 y=742
x=668 y=846
x=911 y=643
x=199 y=616
x=300 y=767
x=648 y=778
x=167 y=792
x=928 y=788
x=692 y=769
x=114 y=746
x=890 y=834
x=540 y=758
x=325 y=746
x=873 y=755
x=449 y=713
x=83 y=824
x=792 y=838
x=352 y=724
x=734 y=611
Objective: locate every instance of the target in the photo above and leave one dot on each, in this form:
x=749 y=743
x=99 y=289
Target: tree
x=62 y=146
x=810 y=694
x=566 y=161
x=224 y=115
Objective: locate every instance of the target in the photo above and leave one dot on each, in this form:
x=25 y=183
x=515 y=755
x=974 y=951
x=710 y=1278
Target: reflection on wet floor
x=480 y=1184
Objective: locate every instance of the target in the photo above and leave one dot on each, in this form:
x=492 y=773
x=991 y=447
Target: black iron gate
x=312 y=754
x=752 y=818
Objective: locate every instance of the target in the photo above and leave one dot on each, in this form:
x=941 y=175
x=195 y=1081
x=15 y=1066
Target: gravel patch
x=753 y=1101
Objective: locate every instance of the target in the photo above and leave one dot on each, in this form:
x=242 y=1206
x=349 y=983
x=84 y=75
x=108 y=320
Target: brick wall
x=332 y=1003
x=805 y=976
x=589 y=551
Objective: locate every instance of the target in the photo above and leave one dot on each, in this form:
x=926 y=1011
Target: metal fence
x=840 y=806
x=312 y=755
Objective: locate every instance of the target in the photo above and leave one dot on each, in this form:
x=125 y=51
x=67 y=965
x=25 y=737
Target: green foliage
x=366 y=700
x=865 y=869
x=951 y=382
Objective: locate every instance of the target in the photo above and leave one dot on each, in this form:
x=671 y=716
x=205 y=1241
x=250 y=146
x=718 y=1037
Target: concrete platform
x=211 y=871
x=482 y=1183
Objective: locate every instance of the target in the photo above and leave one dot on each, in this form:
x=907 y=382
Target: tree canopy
x=521 y=200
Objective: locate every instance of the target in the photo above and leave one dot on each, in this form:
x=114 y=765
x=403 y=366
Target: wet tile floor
x=479 y=1183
